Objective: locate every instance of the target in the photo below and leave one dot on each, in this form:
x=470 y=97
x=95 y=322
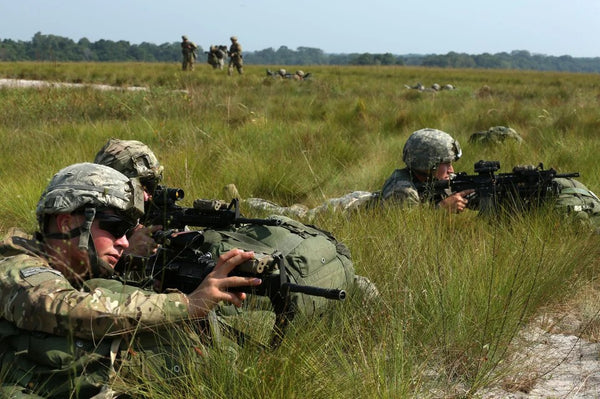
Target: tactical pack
x=575 y=198
x=309 y=257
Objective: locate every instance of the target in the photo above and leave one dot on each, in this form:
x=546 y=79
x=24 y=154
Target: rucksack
x=310 y=256
x=575 y=198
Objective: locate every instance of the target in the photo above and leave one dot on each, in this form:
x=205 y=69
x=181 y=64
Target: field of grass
x=456 y=289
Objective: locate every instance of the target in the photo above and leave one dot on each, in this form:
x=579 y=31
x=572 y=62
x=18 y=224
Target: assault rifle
x=181 y=264
x=163 y=209
x=526 y=187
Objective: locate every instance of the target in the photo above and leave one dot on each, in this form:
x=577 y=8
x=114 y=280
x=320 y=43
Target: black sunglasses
x=115 y=225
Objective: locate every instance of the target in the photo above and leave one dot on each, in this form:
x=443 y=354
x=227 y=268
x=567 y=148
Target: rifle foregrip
x=329 y=293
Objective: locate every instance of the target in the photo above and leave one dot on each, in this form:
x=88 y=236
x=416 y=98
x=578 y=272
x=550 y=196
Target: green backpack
x=575 y=198
x=308 y=257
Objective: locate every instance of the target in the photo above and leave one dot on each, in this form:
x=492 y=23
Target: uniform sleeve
x=38 y=298
x=400 y=190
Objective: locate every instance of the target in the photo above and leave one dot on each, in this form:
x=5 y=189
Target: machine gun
x=525 y=188
x=163 y=209
x=181 y=263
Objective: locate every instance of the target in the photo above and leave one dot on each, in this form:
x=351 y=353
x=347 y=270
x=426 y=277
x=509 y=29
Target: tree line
x=56 y=48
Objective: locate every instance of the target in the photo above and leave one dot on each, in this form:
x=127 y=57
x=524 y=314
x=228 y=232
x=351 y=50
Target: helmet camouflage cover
x=425 y=149
x=132 y=158
x=83 y=185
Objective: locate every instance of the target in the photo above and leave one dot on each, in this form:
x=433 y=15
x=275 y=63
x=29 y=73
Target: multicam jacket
x=60 y=341
x=36 y=297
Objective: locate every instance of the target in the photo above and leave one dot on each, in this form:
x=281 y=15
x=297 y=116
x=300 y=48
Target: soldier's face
x=109 y=235
x=444 y=171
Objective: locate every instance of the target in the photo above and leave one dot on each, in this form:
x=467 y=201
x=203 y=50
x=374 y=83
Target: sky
x=548 y=27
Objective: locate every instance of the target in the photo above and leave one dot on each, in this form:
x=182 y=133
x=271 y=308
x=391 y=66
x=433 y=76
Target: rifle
x=163 y=209
x=181 y=263
x=526 y=187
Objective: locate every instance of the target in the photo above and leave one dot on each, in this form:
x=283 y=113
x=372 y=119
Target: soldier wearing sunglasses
x=67 y=323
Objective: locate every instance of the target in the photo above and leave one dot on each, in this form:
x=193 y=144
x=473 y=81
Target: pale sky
x=550 y=27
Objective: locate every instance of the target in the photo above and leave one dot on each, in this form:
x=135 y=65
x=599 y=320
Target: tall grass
x=455 y=289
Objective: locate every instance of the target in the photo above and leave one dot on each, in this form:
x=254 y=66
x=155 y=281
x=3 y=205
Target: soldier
x=428 y=155
x=496 y=134
x=216 y=56
x=67 y=321
x=188 y=52
x=135 y=160
x=235 y=57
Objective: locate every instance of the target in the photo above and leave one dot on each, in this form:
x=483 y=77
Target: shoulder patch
x=32 y=271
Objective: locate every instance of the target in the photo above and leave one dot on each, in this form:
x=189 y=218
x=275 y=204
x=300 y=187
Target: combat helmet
x=132 y=158
x=425 y=149
x=233 y=38
x=184 y=37
x=90 y=189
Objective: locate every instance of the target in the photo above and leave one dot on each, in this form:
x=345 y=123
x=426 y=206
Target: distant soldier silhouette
x=235 y=57
x=216 y=56
x=188 y=53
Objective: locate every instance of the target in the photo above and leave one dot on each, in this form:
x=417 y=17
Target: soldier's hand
x=457 y=202
x=216 y=286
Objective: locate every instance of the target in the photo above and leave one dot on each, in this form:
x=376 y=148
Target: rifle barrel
x=329 y=293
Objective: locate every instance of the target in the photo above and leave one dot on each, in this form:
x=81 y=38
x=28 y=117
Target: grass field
x=456 y=289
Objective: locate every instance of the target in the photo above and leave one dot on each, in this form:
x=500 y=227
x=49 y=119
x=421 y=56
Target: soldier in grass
x=136 y=160
x=68 y=324
x=235 y=57
x=188 y=54
x=428 y=155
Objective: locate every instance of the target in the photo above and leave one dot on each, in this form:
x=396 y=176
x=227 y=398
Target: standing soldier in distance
x=188 y=52
x=235 y=57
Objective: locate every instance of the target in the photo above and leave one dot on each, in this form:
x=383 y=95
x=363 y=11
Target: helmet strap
x=85 y=229
x=86 y=243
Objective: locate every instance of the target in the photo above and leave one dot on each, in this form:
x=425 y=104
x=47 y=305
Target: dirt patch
x=23 y=83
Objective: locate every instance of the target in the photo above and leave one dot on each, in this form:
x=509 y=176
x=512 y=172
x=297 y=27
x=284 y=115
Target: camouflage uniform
x=235 y=57
x=349 y=202
x=188 y=53
x=64 y=338
x=576 y=199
